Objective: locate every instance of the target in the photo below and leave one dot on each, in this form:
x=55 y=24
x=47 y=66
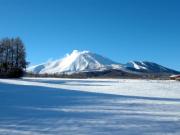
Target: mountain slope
x=148 y=67
x=76 y=62
x=89 y=64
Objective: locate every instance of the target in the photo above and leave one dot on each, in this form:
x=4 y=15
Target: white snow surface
x=145 y=65
x=138 y=67
x=77 y=61
x=126 y=87
x=52 y=106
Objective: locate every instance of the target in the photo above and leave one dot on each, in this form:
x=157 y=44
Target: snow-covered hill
x=75 y=62
x=147 y=67
x=85 y=61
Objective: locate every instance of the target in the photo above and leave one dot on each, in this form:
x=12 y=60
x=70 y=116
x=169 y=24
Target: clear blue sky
x=122 y=30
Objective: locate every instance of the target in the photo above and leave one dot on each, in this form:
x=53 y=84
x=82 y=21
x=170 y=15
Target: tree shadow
x=42 y=110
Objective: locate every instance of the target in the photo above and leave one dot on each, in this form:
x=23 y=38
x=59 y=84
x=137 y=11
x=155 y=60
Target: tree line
x=12 y=57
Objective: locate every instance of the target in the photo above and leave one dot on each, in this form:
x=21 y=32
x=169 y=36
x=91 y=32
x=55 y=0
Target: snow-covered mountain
x=77 y=61
x=147 y=67
x=85 y=61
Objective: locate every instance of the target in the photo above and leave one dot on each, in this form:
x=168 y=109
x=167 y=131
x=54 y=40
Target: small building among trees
x=175 y=77
x=12 y=58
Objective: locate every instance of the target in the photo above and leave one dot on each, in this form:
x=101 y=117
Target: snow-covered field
x=37 y=106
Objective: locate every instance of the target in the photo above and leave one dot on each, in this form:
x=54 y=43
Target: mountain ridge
x=86 y=61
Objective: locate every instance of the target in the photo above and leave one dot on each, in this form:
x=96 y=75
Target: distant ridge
x=86 y=62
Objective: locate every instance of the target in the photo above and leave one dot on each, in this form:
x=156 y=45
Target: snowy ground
x=37 y=106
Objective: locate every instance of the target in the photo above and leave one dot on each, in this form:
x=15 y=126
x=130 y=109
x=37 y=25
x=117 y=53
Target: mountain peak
x=77 y=52
x=86 y=61
x=81 y=52
x=77 y=61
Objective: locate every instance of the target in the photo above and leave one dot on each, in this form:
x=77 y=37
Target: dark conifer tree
x=12 y=57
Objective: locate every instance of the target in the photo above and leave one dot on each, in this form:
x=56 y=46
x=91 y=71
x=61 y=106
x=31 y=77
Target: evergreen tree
x=12 y=57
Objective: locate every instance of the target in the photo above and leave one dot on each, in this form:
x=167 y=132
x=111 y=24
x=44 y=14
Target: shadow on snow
x=42 y=110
